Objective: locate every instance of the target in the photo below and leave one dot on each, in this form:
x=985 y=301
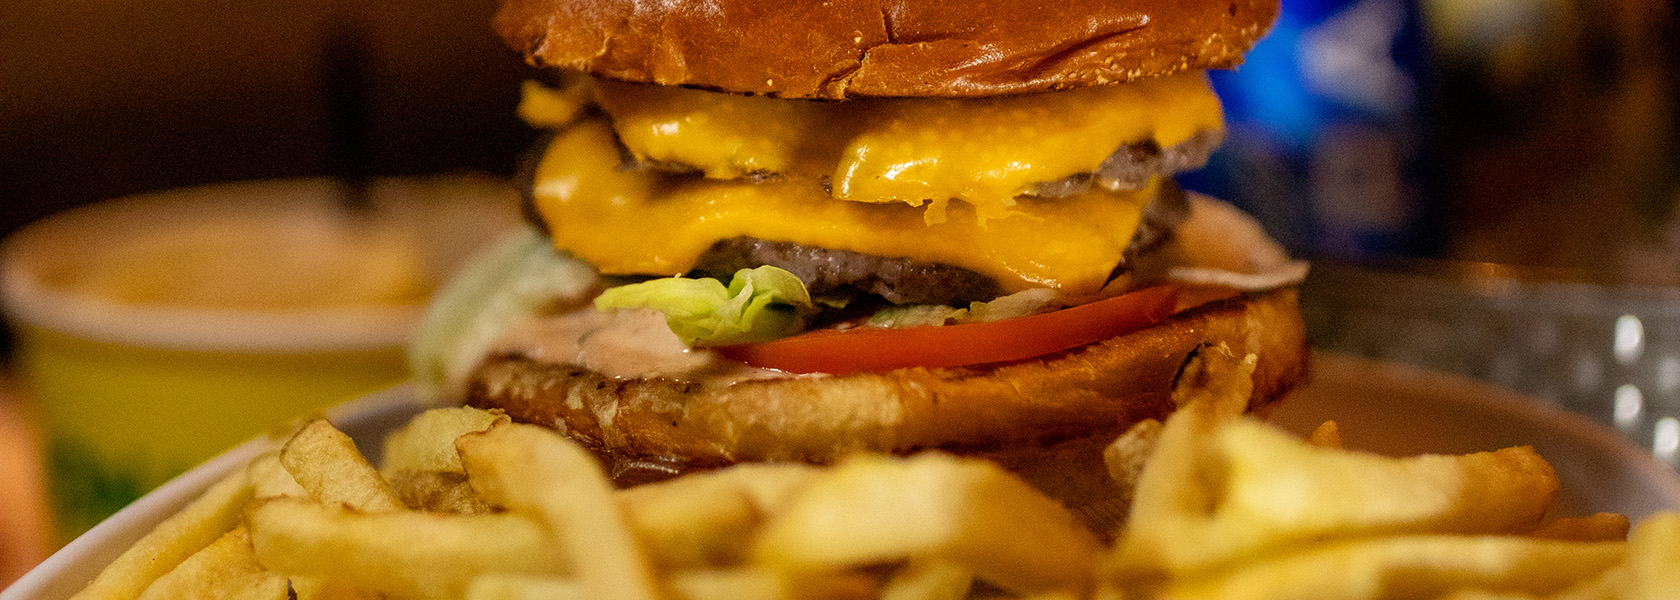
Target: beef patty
x=904 y=281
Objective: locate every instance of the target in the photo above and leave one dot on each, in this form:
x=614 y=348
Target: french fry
x=269 y=479
x=753 y=583
x=421 y=463
x=1272 y=490
x=1219 y=489
x=427 y=442
x=727 y=584
x=1654 y=559
x=1276 y=480
x=1604 y=586
x=310 y=588
x=1600 y=527
x=1128 y=454
x=1055 y=595
x=404 y=553
x=929 y=579
x=874 y=509
x=437 y=491
x=198 y=525
x=1174 y=492
x=1427 y=566
x=709 y=519
x=735 y=584
x=1478 y=594
x=1218 y=378
x=539 y=473
x=771 y=487
x=502 y=586
x=704 y=526
x=327 y=464
x=1327 y=435
x=226 y=569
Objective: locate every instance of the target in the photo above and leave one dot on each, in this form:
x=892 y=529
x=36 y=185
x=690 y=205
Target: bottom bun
x=652 y=428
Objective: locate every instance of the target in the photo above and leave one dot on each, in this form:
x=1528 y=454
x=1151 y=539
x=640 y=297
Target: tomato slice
x=879 y=349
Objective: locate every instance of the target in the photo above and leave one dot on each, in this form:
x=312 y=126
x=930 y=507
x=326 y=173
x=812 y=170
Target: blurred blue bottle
x=1325 y=138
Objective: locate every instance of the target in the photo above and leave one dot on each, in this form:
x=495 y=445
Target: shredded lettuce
x=1018 y=304
x=916 y=315
x=758 y=305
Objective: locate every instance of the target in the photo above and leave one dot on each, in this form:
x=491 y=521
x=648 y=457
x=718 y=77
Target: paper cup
x=156 y=331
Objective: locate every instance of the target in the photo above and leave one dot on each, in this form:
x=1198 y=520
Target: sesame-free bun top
x=838 y=49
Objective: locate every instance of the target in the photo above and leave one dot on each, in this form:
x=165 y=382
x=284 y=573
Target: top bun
x=838 y=49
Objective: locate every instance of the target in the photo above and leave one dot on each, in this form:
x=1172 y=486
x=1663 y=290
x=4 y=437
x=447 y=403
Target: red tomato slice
x=880 y=349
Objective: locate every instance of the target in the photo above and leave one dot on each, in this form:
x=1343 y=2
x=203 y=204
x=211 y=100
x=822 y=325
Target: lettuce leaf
x=758 y=305
x=1018 y=304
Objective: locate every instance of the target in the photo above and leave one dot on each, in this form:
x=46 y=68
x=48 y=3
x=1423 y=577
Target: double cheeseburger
x=788 y=231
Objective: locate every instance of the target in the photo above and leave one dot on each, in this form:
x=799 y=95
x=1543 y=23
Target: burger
x=791 y=231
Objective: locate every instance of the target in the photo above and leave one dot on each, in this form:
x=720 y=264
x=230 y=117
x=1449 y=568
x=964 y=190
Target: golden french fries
x=725 y=584
x=1126 y=456
x=422 y=465
x=929 y=579
x=873 y=509
x=742 y=584
x=403 y=553
x=467 y=505
x=1654 y=561
x=1487 y=492
x=1220 y=488
x=427 y=442
x=227 y=568
x=1600 y=527
x=705 y=527
x=523 y=587
x=329 y=467
x=170 y=543
x=1425 y=566
x=1327 y=435
x=269 y=479
x=542 y=474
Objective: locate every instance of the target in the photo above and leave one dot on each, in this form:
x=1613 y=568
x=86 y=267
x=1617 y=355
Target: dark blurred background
x=1532 y=133
x=103 y=98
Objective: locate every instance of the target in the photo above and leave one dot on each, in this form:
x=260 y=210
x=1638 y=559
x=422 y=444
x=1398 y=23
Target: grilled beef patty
x=904 y=281
x=827 y=272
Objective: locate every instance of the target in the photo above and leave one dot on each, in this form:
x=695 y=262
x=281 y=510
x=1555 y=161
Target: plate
x=67 y=571
x=1381 y=407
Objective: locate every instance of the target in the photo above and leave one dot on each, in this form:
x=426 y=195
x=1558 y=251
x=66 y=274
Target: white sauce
x=624 y=344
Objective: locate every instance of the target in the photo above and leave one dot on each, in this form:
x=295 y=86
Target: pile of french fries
x=467 y=504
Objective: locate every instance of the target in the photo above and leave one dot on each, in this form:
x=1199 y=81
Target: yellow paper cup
x=156 y=331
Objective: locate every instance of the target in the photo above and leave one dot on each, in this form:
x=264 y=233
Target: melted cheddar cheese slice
x=985 y=151
x=637 y=222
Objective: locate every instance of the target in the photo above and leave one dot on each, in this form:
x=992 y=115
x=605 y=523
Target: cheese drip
x=638 y=222
x=984 y=151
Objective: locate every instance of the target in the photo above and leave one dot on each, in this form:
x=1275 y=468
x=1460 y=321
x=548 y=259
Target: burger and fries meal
x=795 y=231
x=469 y=504
x=865 y=299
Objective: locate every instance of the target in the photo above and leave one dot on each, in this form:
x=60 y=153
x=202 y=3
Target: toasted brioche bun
x=1097 y=389
x=870 y=48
